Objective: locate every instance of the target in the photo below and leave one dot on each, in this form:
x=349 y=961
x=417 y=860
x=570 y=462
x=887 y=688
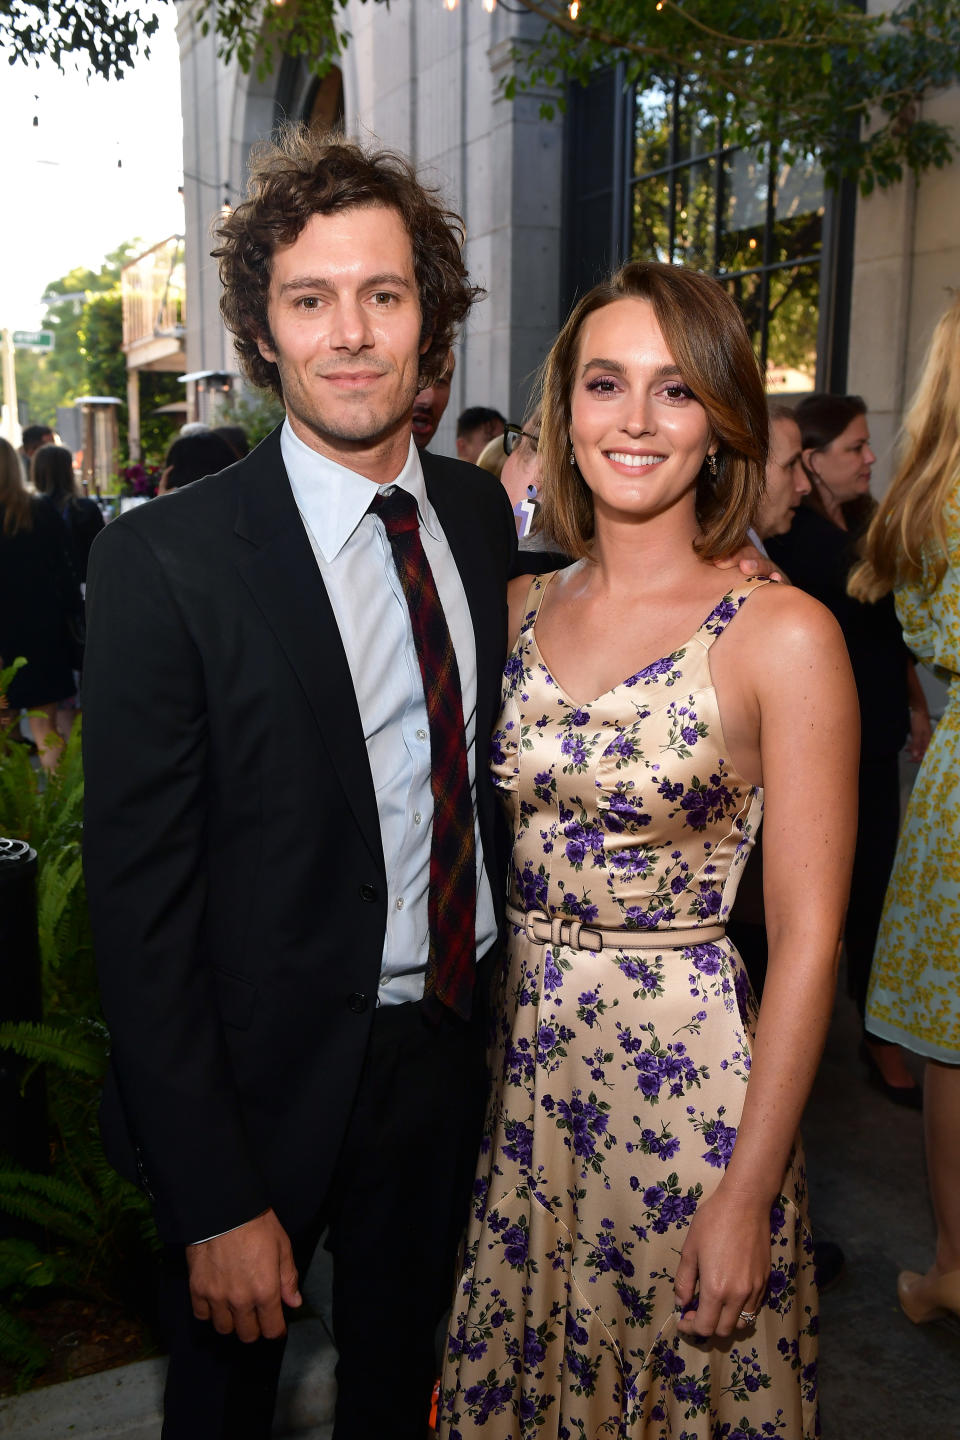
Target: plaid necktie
x=452 y=900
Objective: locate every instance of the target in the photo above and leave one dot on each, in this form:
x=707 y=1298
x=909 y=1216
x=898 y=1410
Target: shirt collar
x=333 y=500
x=754 y=539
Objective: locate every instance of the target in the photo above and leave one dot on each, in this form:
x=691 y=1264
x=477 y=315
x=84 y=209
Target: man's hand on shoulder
x=241 y=1280
x=750 y=562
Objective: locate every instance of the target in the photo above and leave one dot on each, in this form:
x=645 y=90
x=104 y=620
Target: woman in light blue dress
x=913 y=548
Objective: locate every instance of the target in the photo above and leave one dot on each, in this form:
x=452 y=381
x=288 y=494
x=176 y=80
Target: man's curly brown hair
x=299 y=175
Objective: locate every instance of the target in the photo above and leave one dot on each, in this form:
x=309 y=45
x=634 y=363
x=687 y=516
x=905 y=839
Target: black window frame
x=598 y=200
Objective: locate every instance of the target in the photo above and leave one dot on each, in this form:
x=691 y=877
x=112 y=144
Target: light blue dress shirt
x=357 y=568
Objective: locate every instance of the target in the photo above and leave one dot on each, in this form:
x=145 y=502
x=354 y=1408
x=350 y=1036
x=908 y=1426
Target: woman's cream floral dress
x=618 y=1082
x=914 y=995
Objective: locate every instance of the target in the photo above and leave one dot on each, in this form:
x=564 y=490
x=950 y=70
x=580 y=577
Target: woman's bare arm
x=809 y=738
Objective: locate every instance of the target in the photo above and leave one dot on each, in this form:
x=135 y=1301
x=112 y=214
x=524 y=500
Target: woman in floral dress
x=638 y=1262
x=913 y=547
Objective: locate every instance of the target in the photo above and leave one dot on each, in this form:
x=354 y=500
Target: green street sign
x=33 y=339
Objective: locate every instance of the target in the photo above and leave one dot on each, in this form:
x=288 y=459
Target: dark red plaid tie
x=452 y=901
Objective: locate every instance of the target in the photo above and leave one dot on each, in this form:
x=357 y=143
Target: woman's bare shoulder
x=788 y=614
x=781 y=626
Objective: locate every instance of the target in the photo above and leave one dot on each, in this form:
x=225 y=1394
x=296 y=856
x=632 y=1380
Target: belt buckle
x=530 y=920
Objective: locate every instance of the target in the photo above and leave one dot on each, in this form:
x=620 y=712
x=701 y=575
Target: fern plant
x=22 y=1268
x=96 y=1227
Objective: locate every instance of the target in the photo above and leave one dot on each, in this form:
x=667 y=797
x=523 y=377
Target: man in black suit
x=259 y=814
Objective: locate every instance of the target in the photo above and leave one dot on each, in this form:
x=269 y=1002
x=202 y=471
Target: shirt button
x=421 y=734
x=417 y=817
x=400 y=903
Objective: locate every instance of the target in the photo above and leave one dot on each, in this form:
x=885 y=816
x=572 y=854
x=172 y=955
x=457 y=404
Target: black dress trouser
x=393 y=1218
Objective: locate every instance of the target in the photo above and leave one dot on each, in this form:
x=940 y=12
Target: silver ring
x=750 y=1319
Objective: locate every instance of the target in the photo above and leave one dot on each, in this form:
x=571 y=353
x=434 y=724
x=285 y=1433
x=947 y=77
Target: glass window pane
x=747 y=290
x=650 y=221
x=744 y=217
x=695 y=202
x=652 y=117
x=698 y=131
x=798 y=229
x=793 y=308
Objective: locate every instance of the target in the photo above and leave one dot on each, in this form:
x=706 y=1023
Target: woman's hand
x=920 y=727
x=920 y=732
x=726 y=1256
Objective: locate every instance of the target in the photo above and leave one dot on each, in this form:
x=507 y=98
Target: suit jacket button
x=368 y=893
x=357 y=1002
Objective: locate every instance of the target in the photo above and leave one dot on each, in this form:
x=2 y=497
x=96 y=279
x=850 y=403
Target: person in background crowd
x=40 y=609
x=913 y=548
x=236 y=438
x=493 y=457
x=520 y=477
x=190 y=457
x=817 y=553
x=785 y=480
x=639 y=1241
x=430 y=404
x=31 y=439
x=476 y=427
x=53 y=475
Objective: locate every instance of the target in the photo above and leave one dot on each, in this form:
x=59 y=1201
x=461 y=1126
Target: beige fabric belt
x=541 y=930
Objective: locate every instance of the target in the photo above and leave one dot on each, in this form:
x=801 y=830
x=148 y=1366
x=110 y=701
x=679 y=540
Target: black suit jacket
x=233 y=858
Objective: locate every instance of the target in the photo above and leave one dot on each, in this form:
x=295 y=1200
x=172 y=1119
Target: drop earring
x=573 y=457
x=712 y=466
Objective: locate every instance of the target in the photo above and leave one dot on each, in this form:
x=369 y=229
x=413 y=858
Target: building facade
x=839 y=292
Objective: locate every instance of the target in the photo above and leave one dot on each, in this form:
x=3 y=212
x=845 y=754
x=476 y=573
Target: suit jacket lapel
x=278 y=566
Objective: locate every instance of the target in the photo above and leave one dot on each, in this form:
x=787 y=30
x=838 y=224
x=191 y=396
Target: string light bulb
x=573 y=9
x=449 y=4
x=489 y=6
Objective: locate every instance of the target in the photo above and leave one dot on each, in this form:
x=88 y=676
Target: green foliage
x=822 y=75
x=105 y=32
x=258 y=411
x=95 y=1225
x=22 y=1268
x=819 y=76
x=87 y=358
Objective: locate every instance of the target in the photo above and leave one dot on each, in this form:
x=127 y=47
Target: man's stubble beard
x=369 y=428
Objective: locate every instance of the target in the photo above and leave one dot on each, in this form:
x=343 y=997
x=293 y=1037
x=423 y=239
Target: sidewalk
x=881 y=1377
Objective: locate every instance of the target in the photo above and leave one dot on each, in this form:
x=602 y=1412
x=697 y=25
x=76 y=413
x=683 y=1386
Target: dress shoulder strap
x=727 y=609
x=538 y=588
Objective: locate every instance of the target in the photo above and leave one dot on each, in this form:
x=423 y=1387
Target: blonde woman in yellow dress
x=913 y=548
x=639 y=1263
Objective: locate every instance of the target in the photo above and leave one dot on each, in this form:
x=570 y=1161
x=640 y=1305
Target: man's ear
x=808 y=465
x=265 y=346
x=425 y=342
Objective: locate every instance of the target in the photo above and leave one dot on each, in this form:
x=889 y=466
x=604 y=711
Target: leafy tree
x=814 y=75
x=820 y=75
x=108 y=34
x=87 y=358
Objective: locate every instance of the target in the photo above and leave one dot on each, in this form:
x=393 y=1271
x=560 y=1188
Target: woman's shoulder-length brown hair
x=707 y=338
